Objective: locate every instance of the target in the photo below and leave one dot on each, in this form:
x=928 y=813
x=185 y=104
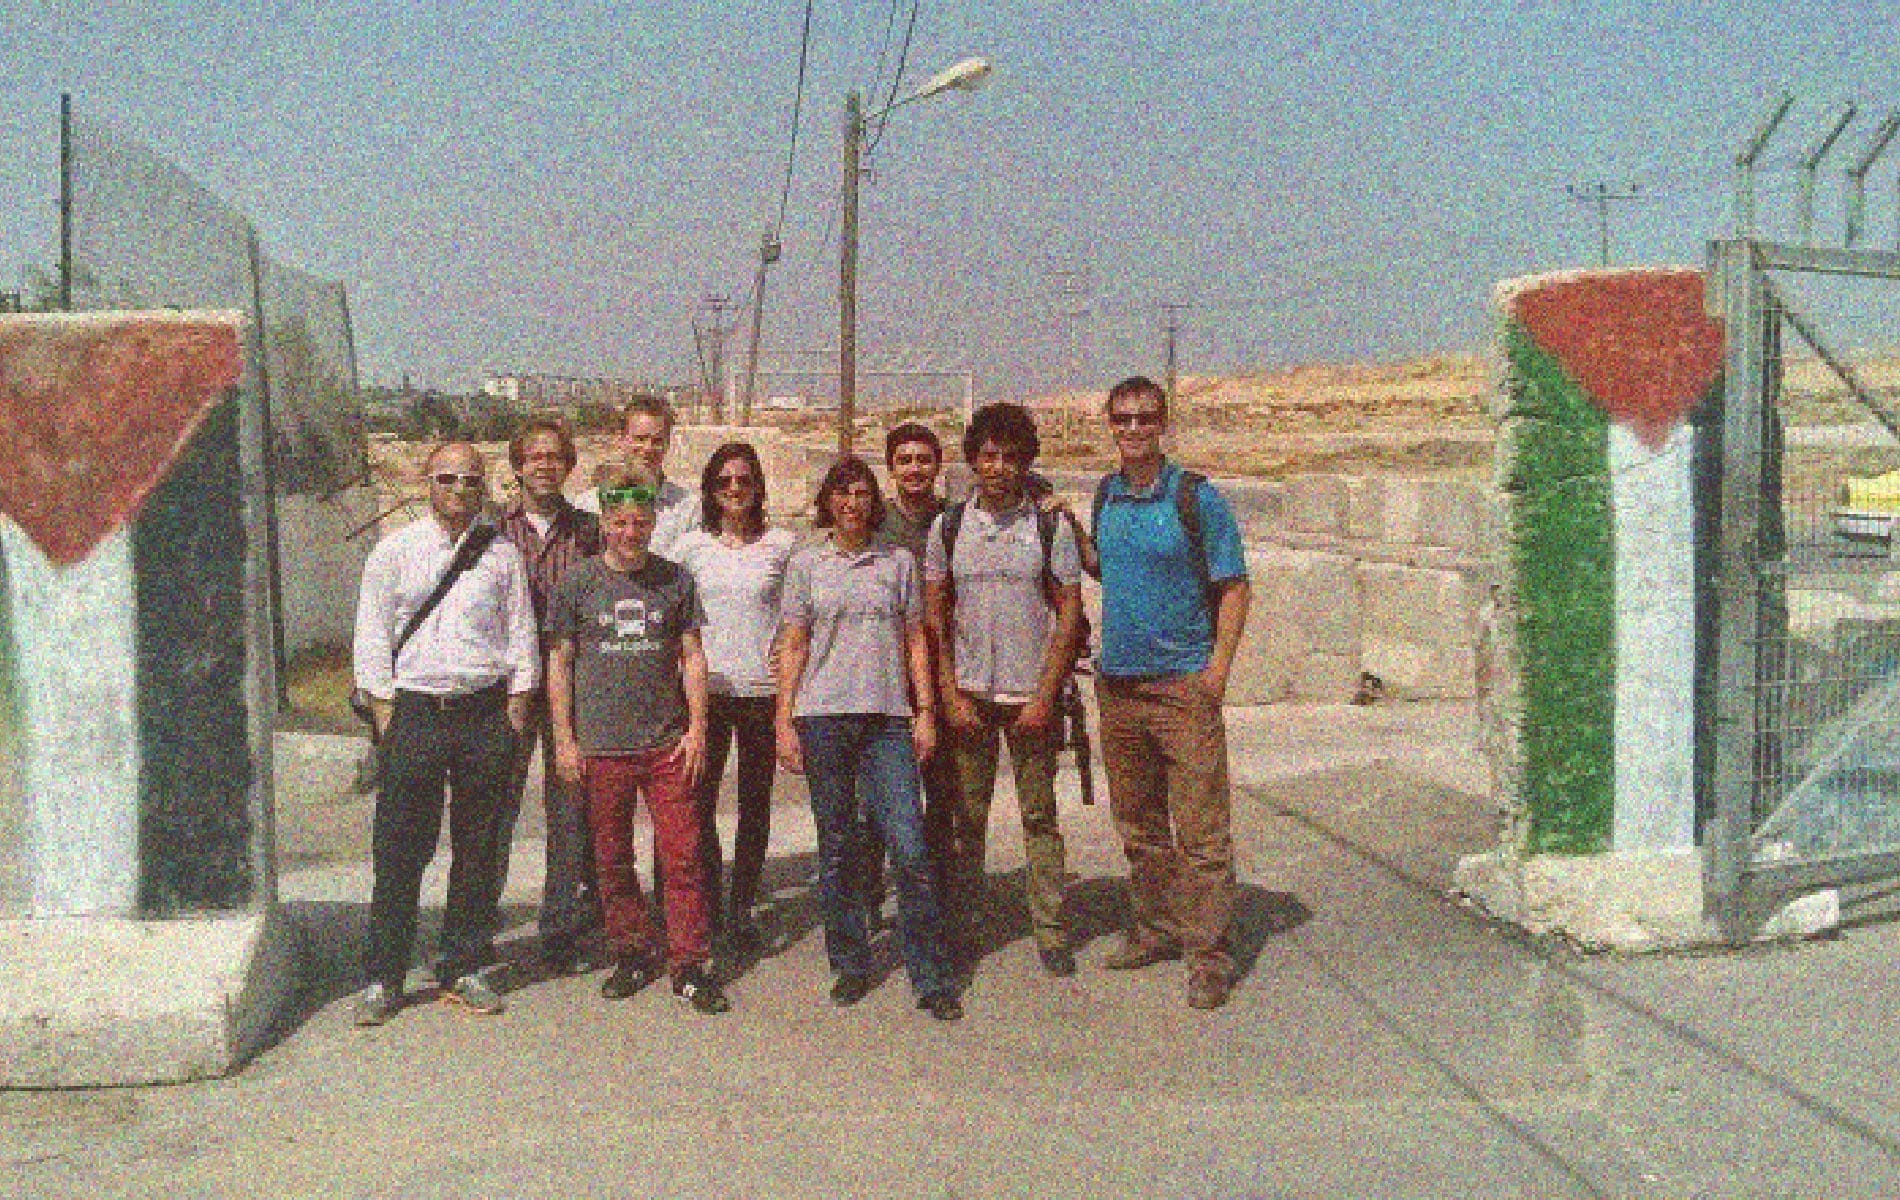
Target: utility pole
x=768 y=254
x=716 y=369
x=1072 y=294
x=65 y=202
x=848 y=275
x=1600 y=196
x=1173 y=311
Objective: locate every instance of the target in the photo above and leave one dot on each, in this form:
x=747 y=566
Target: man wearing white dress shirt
x=449 y=705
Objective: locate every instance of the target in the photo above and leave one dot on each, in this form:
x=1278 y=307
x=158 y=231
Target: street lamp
x=964 y=76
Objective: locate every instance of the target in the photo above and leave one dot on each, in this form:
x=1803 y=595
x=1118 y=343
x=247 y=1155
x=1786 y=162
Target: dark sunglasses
x=743 y=479
x=1135 y=418
x=450 y=479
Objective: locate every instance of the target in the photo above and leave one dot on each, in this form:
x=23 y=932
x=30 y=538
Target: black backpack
x=1045 y=529
x=1187 y=507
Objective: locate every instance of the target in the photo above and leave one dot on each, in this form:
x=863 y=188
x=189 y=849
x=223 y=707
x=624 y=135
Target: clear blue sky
x=555 y=186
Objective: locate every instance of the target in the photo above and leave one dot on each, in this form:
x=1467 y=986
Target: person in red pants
x=627 y=695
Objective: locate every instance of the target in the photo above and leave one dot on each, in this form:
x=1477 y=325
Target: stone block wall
x=1353 y=575
x=1357 y=575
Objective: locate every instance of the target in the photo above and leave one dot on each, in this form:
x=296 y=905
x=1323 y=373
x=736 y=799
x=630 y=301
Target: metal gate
x=1799 y=661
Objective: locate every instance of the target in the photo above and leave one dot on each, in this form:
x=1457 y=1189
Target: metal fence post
x=1737 y=563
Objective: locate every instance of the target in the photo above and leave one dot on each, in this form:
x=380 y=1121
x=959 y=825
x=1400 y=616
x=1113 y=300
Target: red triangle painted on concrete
x=94 y=409
x=1637 y=342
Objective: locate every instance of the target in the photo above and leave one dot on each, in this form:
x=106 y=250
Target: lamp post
x=964 y=76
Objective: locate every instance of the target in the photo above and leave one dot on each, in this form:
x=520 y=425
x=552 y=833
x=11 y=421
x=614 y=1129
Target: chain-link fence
x=146 y=235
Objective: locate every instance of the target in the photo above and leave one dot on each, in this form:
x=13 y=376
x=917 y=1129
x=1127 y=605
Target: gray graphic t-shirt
x=626 y=628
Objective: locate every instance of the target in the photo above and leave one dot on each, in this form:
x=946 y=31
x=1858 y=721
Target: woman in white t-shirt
x=738 y=567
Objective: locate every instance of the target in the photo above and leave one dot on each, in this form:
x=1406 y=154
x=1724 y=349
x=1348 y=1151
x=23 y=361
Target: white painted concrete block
x=1655 y=642
x=1630 y=901
x=1365 y=508
x=73 y=633
x=98 y=1002
x=1316 y=504
x=1401 y=505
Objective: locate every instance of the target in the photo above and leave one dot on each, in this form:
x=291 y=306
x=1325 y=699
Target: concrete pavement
x=1386 y=1041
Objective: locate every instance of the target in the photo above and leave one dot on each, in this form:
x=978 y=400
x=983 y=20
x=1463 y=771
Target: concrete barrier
x=136 y=874
x=320 y=552
x=1588 y=656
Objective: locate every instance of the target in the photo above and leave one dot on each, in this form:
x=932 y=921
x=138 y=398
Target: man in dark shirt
x=553 y=536
x=913 y=456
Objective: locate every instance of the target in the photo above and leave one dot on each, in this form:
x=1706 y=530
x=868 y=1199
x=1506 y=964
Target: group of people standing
x=887 y=659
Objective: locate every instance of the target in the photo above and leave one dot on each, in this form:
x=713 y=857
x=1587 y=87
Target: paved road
x=1386 y=1042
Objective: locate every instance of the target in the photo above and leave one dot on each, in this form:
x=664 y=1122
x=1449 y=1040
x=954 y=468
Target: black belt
x=495 y=693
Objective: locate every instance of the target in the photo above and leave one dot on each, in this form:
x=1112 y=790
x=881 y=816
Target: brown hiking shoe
x=1208 y=990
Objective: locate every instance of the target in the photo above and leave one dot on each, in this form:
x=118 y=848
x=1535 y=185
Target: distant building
x=573 y=395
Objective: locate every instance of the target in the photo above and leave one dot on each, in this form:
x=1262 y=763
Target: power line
x=883 y=47
x=1600 y=196
x=897 y=80
x=798 y=107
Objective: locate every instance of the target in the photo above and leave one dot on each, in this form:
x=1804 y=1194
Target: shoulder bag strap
x=474 y=545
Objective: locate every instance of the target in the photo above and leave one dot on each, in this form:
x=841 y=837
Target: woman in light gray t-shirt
x=738 y=568
x=851 y=656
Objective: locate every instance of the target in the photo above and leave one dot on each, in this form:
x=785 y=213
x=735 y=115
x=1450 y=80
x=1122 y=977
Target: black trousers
x=747 y=720
x=570 y=897
x=467 y=746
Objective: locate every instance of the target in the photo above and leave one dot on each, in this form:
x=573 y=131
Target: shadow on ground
x=1098 y=908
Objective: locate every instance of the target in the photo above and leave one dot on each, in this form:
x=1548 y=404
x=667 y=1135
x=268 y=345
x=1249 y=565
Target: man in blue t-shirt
x=1170 y=627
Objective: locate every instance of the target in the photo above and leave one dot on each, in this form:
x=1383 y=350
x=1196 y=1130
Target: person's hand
x=567 y=761
x=380 y=711
x=1213 y=682
x=923 y=734
x=1036 y=718
x=791 y=755
x=961 y=713
x=519 y=704
x=690 y=753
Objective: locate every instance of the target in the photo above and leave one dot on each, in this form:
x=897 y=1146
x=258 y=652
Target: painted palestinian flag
x=95 y=408
x=127 y=635
x=1602 y=371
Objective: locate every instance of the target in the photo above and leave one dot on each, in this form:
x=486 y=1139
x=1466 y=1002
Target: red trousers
x=613 y=784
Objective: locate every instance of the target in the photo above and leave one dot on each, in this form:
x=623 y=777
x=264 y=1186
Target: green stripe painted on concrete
x=1564 y=560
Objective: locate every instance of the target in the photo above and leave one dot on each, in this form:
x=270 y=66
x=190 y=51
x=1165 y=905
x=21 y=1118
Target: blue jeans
x=870 y=756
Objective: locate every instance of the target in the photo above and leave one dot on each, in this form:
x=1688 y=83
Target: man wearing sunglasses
x=1174 y=601
x=449 y=694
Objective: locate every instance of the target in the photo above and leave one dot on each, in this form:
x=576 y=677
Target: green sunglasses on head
x=633 y=494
